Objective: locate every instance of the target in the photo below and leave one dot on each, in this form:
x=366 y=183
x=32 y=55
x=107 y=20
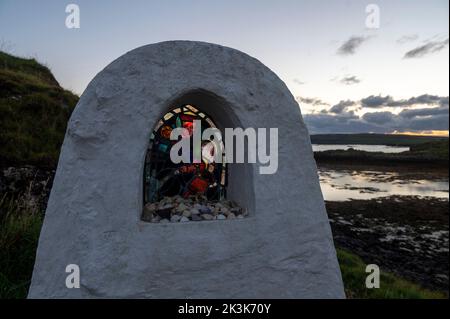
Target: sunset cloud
x=339 y=119
x=376 y=101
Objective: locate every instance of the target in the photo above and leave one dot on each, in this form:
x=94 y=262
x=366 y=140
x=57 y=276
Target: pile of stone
x=178 y=209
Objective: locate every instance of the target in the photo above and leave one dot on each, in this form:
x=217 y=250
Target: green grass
x=20 y=225
x=27 y=66
x=34 y=111
x=391 y=286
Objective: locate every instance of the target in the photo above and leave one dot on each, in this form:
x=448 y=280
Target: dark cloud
x=418 y=122
x=377 y=101
x=341 y=123
x=339 y=120
x=377 y=122
x=341 y=106
x=311 y=101
x=444 y=101
x=435 y=122
x=349 y=80
x=407 y=38
x=349 y=47
x=428 y=99
x=427 y=48
x=378 y=117
x=410 y=113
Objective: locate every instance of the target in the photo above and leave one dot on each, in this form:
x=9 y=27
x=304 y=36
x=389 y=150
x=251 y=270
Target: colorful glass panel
x=163 y=178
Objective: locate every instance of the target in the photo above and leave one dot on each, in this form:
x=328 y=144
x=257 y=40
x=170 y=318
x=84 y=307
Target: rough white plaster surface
x=284 y=249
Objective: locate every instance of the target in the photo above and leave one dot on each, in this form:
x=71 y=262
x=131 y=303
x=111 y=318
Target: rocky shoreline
x=406 y=235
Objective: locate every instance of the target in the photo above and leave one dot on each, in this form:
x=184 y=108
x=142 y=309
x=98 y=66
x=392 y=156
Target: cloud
x=349 y=80
x=299 y=82
x=311 y=101
x=426 y=49
x=378 y=117
x=444 y=101
x=435 y=122
x=339 y=120
x=410 y=113
x=341 y=123
x=377 y=122
x=349 y=47
x=377 y=101
x=407 y=38
x=428 y=99
x=346 y=80
x=341 y=106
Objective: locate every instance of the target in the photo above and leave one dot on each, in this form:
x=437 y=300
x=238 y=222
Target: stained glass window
x=163 y=178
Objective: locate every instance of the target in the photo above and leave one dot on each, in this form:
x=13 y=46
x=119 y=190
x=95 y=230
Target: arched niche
x=239 y=175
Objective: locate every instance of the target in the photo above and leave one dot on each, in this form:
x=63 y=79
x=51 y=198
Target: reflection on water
x=347 y=184
x=360 y=147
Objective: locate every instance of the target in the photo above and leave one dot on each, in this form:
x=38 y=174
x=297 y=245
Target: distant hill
x=374 y=139
x=34 y=111
x=427 y=154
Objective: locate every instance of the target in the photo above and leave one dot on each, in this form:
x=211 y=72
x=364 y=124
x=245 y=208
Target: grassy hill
x=437 y=149
x=34 y=111
x=374 y=139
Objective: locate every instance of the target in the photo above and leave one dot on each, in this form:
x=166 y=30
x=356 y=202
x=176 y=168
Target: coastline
x=405 y=235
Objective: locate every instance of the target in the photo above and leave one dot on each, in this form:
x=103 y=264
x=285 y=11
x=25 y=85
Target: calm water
x=360 y=147
x=348 y=184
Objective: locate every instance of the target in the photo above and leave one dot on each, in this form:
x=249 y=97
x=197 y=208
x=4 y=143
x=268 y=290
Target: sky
x=348 y=73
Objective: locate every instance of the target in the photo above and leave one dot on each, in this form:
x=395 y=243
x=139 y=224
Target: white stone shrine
x=282 y=249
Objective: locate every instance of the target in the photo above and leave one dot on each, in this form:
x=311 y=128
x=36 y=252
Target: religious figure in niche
x=164 y=178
